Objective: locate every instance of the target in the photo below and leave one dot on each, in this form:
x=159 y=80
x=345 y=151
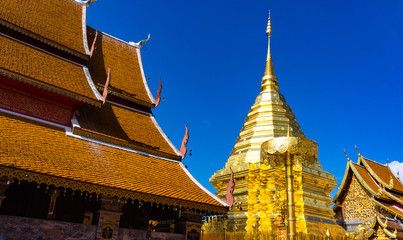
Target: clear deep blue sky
x=339 y=66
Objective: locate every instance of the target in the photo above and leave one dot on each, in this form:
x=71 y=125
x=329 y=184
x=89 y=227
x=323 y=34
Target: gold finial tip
x=268 y=29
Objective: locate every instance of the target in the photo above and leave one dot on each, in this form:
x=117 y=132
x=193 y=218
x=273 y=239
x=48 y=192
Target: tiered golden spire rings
x=268 y=29
x=269 y=70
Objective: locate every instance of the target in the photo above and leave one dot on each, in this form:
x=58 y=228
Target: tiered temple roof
x=370 y=190
x=60 y=24
x=35 y=66
x=125 y=63
x=114 y=147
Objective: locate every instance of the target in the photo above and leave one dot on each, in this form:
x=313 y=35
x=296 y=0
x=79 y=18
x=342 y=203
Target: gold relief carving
x=358 y=204
x=88 y=218
x=305 y=149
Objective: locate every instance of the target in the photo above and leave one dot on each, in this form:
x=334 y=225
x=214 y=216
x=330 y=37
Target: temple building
x=260 y=193
x=81 y=153
x=369 y=202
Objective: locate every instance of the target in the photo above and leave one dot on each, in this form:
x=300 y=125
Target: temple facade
x=369 y=202
x=260 y=208
x=81 y=153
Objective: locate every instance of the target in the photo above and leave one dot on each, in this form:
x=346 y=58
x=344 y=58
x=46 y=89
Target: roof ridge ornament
x=87 y=3
x=105 y=93
x=139 y=44
x=185 y=140
x=347 y=155
x=269 y=70
x=158 y=98
x=356 y=148
x=93 y=43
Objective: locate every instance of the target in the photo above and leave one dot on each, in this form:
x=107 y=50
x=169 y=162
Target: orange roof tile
x=394 y=225
x=366 y=177
x=384 y=174
x=48 y=151
x=39 y=68
x=58 y=21
x=126 y=73
x=128 y=126
x=390 y=208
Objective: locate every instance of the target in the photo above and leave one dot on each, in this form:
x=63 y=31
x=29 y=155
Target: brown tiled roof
x=366 y=177
x=44 y=70
x=38 y=149
x=124 y=125
x=390 y=208
x=394 y=225
x=58 y=21
x=384 y=173
x=126 y=78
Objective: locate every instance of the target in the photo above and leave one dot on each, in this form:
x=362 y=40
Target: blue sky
x=339 y=66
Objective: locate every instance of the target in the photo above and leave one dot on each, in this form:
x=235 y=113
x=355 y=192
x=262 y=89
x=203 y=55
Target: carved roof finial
x=346 y=155
x=139 y=44
x=268 y=29
x=356 y=148
x=87 y=3
x=269 y=70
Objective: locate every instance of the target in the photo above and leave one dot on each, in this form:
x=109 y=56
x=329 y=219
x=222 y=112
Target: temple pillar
x=291 y=230
x=108 y=218
x=190 y=224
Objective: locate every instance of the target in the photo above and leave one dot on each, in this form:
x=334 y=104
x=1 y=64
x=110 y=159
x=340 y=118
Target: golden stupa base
x=223 y=229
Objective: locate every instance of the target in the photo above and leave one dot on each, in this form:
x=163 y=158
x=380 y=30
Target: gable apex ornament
x=346 y=155
x=139 y=44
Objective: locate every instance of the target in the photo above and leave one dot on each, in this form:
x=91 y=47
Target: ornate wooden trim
x=29 y=176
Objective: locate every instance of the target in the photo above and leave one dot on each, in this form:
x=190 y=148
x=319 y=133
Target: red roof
x=383 y=173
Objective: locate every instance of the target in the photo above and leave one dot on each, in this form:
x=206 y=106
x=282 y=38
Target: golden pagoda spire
x=269 y=62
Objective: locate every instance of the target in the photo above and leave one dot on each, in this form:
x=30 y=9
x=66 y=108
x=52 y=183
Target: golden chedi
x=261 y=209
